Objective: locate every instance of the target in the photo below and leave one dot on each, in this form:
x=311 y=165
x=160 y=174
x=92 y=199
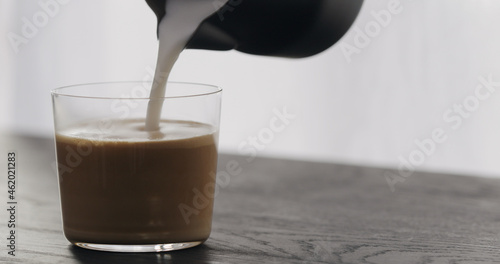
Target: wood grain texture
x=281 y=211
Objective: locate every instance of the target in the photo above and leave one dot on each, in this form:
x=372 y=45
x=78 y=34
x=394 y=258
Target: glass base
x=139 y=248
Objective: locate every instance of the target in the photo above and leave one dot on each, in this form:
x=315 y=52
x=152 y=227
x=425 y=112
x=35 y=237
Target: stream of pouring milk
x=175 y=29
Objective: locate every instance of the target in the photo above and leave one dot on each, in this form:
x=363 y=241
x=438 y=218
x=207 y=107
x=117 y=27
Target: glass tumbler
x=126 y=188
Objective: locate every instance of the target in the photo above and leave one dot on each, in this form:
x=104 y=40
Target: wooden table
x=281 y=211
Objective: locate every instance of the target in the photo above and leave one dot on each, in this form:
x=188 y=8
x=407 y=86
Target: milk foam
x=133 y=130
x=175 y=29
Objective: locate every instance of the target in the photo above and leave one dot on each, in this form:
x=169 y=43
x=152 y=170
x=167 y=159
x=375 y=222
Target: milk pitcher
x=280 y=28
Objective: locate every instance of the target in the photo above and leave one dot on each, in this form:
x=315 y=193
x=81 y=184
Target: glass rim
x=59 y=91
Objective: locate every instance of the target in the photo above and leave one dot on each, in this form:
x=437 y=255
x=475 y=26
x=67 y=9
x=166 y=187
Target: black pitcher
x=282 y=28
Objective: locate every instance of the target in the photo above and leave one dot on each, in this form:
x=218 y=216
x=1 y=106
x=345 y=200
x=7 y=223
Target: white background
x=366 y=109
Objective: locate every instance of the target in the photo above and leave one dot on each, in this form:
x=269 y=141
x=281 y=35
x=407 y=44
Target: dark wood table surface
x=282 y=211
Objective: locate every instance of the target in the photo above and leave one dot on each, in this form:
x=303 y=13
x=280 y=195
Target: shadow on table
x=198 y=254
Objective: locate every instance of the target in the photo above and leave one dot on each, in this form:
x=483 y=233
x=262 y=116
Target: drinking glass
x=127 y=189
